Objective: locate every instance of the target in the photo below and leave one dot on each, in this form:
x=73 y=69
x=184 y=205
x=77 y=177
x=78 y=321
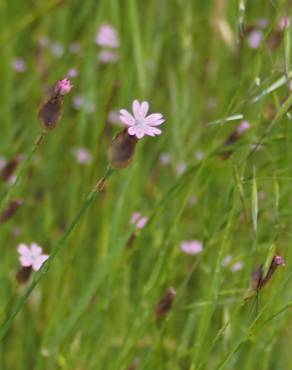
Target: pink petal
x=154 y=119
x=142 y=222
x=127 y=117
x=135 y=217
x=154 y=130
x=25 y=261
x=23 y=249
x=35 y=249
x=144 y=109
x=136 y=109
x=38 y=263
x=137 y=131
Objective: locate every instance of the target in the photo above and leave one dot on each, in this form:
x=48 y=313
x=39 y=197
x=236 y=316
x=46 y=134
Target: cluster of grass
x=94 y=308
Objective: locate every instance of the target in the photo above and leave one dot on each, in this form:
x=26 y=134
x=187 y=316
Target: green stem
x=60 y=244
x=23 y=166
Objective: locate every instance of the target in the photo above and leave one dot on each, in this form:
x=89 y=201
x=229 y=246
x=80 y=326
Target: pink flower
x=107 y=36
x=191 y=247
x=138 y=220
x=72 y=73
x=78 y=101
x=19 y=65
x=255 y=39
x=284 y=22
x=64 y=86
x=108 y=56
x=31 y=256
x=279 y=261
x=165 y=159
x=242 y=127
x=139 y=123
x=237 y=266
x=82 y=155
x=114 y=118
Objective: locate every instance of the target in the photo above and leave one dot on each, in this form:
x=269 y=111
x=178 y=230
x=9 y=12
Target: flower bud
x=164 y=305
x=122 y=149
x=10 y=210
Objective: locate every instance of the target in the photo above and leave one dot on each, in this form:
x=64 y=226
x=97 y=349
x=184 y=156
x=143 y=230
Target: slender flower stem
x=23 y=166
x=58 y=247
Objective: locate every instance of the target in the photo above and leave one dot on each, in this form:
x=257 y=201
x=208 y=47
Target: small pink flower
x=72 y=73
x=191 y=247
x=78 y=101
x=64 y=86
x=57 y=49
x=19 y=65
x=82 y=155
x=31 y=256
x=279 y=261
x=226 y=260
x=165 y=159
x=139 y=123
x=108 y=56
x=254 y=39
x=242 y=127
x=138 y=220
x=114 y=118
x=284 y=23
x=237 y=266
x=107 y=36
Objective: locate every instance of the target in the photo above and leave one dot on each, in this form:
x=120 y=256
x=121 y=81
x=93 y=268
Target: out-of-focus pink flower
x=43 y=41
x=108 y=56
x=107 y=36
x=72 y=73
x=255 y=39
x=181 y=167
x=191 y=247
x=279 y=261
x=19 y=65
x=138 y=220
x=226 y=260
x=262 y=22
x=31 y=256
x=284 y=23
x=242 y=127
x=82 y=155
x=78 y=101
x=199 y=155
x=114 y=118
x=57 y=49
x=237 y=266
x=141 y=124
x=165 y=159
x=64 y=86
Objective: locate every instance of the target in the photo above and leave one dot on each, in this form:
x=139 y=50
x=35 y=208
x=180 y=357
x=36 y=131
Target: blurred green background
x=206 y=66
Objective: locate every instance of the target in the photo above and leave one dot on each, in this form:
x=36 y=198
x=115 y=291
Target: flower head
x=255 y=39
x=191 y=247
x=107 y=36
x=108 y=56
x=279 y=261
x=237 y=266
x=141 y=124
x=242 y=127
x=31 y=256
x=82 y=155
x=19 y=65
x=138 y=220
x=64 y=86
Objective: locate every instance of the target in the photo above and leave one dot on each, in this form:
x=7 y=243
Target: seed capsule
x=50 y=113
x=23 y=274
x=122 y=149
x=164 y=305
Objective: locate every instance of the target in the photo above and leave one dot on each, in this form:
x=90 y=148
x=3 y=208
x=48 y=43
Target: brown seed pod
x=50 y=112
x=122 y=149
x=164 y=305
x=10 y=210
x=23 y=274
